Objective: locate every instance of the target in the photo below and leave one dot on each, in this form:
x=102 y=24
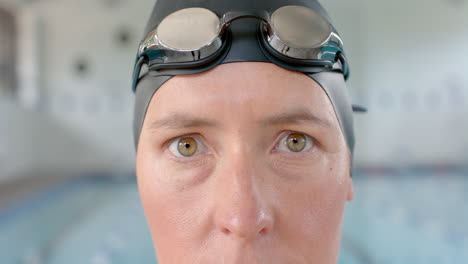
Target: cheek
x=313 y=206
x=170 y=197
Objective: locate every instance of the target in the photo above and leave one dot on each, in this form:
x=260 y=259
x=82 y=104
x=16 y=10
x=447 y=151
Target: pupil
x=187 y=145
x=295 y=140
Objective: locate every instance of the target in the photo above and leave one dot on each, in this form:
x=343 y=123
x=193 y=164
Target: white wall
x=32 y=144
x=65 y=121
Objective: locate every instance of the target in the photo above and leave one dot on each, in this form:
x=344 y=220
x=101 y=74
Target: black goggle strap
x=344 y=64
x=137 y=70
x=345 y=69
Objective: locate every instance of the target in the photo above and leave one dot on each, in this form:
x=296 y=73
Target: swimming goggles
x=191 y=37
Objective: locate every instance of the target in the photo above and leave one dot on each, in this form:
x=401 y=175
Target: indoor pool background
x=398 y=217
x=66 y=110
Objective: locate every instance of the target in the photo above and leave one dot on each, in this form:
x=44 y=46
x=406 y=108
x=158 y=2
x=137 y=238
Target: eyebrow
x=176 y=120
x=295 y=116
x=179 y=120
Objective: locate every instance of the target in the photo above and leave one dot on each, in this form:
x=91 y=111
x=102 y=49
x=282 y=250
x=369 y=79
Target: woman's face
x=243 y=164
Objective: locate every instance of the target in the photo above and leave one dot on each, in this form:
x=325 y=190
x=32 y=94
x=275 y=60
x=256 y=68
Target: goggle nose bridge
x=232 y=16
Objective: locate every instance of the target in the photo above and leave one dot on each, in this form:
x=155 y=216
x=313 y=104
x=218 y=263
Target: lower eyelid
x=292 y=154
x=295 y=158
x=192 y=162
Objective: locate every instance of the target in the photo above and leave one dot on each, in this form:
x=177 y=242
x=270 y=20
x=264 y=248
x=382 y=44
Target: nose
x=243 y=210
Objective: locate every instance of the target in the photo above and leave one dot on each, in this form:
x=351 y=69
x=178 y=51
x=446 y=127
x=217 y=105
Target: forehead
x=242 y=91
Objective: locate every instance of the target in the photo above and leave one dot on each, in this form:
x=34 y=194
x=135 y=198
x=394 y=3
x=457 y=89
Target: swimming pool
x=404 y=217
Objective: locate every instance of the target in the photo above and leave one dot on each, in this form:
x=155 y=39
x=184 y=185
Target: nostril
x=264 y=231
x=225 y=231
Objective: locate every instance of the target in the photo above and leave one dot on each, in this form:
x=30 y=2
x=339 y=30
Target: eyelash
x=311 y=143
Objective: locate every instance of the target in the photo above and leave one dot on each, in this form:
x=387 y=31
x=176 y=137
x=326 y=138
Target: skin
x=244 y=196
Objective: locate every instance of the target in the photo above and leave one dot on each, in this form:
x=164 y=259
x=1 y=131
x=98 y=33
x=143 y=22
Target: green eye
x=296 y=142
x=187 y=146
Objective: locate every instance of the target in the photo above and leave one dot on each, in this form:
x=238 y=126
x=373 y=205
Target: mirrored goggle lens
x=189 y=29
x=300 y=27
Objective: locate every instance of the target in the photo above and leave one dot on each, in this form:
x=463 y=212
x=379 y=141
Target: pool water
x=411 y=217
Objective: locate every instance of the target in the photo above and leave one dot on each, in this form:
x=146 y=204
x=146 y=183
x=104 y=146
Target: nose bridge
x=242 y=210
